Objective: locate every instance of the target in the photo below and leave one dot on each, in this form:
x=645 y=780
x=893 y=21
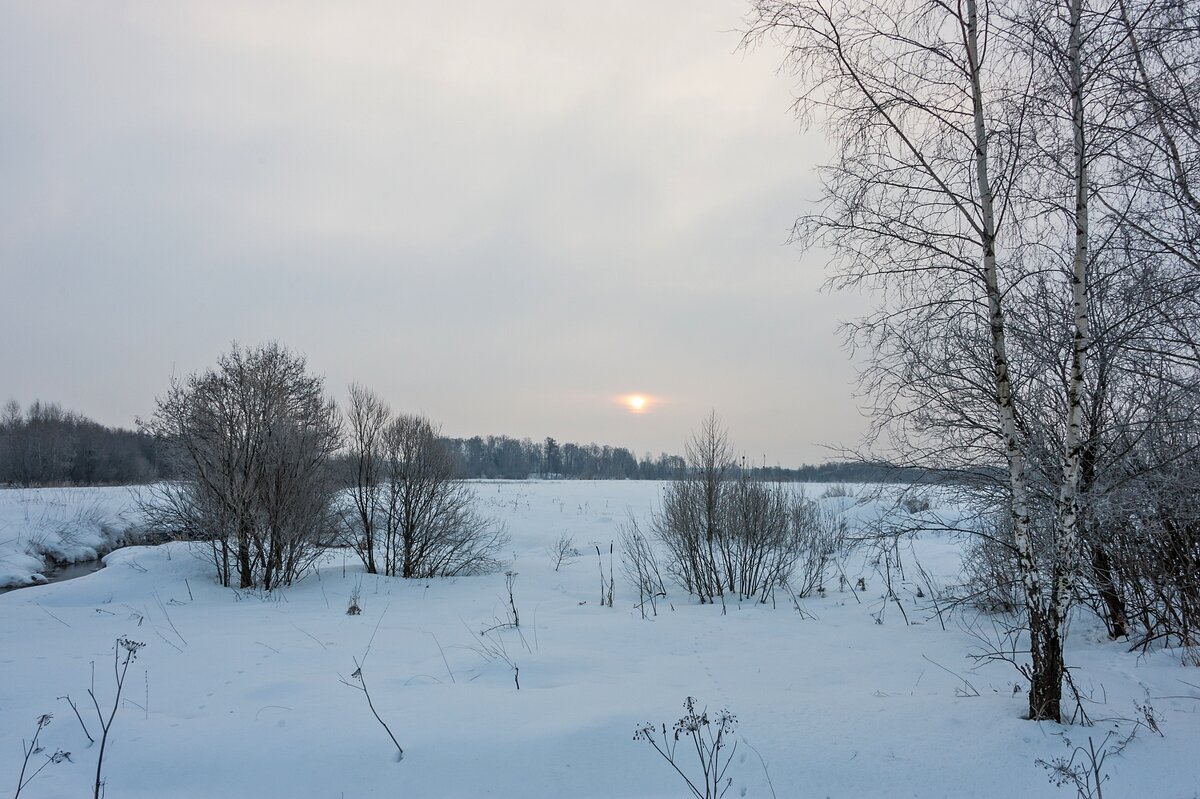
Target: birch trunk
x=1067 y=532
x=1046 y=676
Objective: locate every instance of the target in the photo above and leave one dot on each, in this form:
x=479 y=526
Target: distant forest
x=509 y=458
x=44 y=445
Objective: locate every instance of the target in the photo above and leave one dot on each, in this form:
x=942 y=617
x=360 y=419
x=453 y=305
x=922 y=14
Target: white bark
x=1067 y=534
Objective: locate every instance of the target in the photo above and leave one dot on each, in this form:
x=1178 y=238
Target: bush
x=639 y=562
x=727 y=532
x=819 y=540
x=991 y=581
x=251 y=440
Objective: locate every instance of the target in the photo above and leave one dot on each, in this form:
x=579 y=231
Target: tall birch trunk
x=1067 y=531
x=1046 y=676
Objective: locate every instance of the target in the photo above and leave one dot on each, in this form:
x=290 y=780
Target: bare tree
x=996 y=176
x=689 y=523
x=367 y=418
x=926 y=200
x=251 y=440
x=1160 y=76
x=431 y=527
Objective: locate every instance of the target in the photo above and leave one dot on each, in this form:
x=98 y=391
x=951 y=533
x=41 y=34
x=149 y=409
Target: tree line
x=44 y=445
x=503 y=457
x=509 y=458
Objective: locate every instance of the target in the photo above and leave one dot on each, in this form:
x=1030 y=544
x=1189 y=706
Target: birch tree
x=930 y=105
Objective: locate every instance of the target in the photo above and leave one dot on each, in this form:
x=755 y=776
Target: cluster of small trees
x=728 y=533
x=1021 y=178
x=253 y=441
x=46 y=445
x=1141 y=530
x=410 y=515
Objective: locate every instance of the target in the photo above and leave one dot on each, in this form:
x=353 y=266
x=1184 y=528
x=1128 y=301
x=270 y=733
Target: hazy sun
x=636 y=403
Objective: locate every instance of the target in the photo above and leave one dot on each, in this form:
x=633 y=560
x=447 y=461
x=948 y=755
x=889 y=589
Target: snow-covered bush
x=991 y=581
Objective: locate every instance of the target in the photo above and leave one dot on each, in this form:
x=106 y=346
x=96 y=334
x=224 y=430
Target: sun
x=636 y=403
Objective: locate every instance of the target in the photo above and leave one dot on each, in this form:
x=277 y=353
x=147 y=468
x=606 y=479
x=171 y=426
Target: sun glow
x=636 y=403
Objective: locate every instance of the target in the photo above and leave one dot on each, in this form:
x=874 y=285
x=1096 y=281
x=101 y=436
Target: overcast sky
x=501 y=214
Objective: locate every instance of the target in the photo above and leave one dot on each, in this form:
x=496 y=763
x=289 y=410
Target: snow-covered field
x=240 y=695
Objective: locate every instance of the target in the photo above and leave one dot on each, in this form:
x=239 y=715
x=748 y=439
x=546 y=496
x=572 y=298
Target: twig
x=91 y=740
x=443 y=654
x=51 y=615
x=375 y=632
x=163 y=608
x=766 y=773
x=358 y=675
x=960 y=692
x=310 y=635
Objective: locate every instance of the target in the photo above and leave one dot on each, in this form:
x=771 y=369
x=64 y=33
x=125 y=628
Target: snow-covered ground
x=240 y=695
x=44 y=528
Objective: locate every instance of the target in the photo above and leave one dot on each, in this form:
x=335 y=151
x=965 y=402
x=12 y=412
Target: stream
x=62 y=572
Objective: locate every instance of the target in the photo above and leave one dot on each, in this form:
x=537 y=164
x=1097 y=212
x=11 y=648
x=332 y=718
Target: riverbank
x=48 y=532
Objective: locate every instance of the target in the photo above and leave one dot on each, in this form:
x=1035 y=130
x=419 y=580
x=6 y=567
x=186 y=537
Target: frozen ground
x=238 y=695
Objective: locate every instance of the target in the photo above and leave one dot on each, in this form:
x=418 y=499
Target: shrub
x=251 y=440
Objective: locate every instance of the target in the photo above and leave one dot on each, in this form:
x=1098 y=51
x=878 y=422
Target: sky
x=503 y=215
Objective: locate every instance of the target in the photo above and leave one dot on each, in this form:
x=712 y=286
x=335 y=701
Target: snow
x=40 y=528
x=240 y=694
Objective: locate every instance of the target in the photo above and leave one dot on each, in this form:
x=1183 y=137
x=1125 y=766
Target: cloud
x=499 y=213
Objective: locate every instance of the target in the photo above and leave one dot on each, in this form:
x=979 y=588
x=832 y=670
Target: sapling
x=563 y=551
